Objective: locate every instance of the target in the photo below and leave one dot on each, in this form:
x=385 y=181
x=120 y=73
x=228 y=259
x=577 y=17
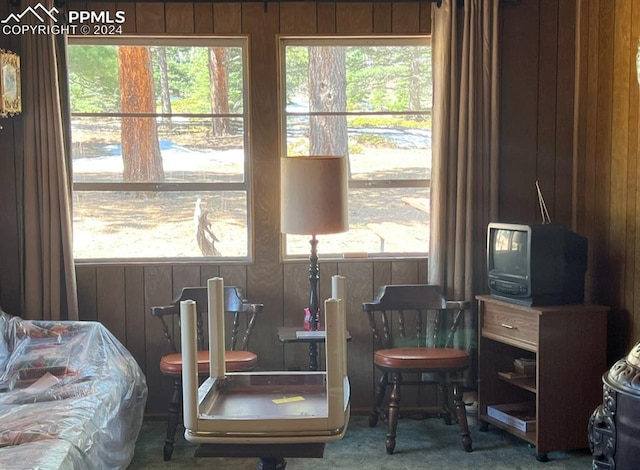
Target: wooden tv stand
x=568 y=343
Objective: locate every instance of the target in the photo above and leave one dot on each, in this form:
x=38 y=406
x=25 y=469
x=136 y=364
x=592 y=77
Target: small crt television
x=533 y=265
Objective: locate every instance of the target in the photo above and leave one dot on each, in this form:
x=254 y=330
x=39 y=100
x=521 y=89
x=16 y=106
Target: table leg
x=271 y=463
x=313 y=356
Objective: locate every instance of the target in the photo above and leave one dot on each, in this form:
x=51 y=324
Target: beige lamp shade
x=313 y=195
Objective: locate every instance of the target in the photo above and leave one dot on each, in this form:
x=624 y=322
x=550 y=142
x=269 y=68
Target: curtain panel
x=464 y=177
x=48 y=272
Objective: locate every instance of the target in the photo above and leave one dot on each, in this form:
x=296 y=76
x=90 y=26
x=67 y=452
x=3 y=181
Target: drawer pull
x=510 y=327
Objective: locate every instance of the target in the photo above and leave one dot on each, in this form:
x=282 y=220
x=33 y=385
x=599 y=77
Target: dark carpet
x=420 y=444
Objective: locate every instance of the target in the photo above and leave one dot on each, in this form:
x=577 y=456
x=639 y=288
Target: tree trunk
x=415 y=82
x=165 y=96
x=218 y=79
x=141 y=156
x=327 y=92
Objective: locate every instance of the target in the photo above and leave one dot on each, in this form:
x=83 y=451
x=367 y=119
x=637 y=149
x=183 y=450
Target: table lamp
x=313 y=201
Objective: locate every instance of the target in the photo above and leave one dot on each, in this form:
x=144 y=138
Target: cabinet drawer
x=509 y=326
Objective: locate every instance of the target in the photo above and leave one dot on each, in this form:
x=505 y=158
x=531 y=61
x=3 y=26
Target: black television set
x=542 y=264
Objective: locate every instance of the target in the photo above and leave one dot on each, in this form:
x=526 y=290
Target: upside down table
x=270 y=415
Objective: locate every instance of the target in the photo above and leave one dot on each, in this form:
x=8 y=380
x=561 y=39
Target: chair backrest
x=413 y=315
x=235 y=304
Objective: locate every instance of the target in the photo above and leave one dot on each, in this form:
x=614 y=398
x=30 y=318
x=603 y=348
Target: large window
x=159 y=148
x=368 y=99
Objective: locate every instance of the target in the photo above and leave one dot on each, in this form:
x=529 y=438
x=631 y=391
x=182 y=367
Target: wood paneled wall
x=607 y=198
x=582 y=151
x=537 y=93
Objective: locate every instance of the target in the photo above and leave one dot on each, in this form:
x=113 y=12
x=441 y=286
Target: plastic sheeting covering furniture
x=71 y=396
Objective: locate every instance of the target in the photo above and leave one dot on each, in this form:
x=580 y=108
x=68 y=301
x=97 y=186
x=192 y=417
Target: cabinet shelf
x=527 y=383
x=529 y=436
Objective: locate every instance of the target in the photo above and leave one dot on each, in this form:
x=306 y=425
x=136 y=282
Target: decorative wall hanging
x=10 y=95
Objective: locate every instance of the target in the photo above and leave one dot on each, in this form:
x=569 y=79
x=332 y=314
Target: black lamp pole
x=314 y=308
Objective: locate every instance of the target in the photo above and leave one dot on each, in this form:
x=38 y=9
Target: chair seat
x=407 y=359
x=235 y=361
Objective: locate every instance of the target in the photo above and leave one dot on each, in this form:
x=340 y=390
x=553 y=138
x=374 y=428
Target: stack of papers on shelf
x=525 y=366
x=521 y=416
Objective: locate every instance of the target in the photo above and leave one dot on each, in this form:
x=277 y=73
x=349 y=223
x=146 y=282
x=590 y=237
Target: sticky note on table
x=279 y=401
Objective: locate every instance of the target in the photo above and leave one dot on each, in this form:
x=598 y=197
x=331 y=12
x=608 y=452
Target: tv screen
x=510 y=252
x=536 y=264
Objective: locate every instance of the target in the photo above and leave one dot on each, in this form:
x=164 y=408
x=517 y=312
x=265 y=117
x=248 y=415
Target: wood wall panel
x=563 y=189
x=298 y=17
x=632 y=272
x=425 y=17
x=606 y=160
x=203 y=17
x=158 y=290
x=136 y=317
x=519 y=97
x=381 y=274
x=326 y=17
x=405 y=17
x=227 y=18
x=208 y=271
x=150 y=18
x=619 y=151
x=179 y=17
x=110 y=307
x=129 y=26
x=382 y=17
x=547 y=100
x=354 y=17
x=87 y=285
x=600 y=230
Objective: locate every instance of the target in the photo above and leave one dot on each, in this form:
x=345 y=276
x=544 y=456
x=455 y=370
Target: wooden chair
x=427 y=353
x=237 y=357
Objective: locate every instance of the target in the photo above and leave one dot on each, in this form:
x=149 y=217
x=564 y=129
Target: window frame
x=347 y=40
x=240 y=41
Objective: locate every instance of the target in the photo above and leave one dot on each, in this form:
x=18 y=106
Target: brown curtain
x=465 y=147
x=48 y=272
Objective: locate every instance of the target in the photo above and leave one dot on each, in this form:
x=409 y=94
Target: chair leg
x=378 y=398
x=461 y=413
x=394 y=411
x=447 y=412
x=174 y=417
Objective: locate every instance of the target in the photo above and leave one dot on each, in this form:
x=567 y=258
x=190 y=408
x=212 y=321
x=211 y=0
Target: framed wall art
x=10 y=95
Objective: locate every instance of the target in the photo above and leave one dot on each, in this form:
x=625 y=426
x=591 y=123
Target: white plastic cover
x=71 y=396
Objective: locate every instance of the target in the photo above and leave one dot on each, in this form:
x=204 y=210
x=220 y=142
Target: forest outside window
x=159 y=148
x=370 y=100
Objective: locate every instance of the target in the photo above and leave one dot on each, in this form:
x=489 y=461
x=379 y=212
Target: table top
x=287 y=334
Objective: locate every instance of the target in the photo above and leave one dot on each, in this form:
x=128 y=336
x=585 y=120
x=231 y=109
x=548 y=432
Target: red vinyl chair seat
x=235 y=361
x=408 y=359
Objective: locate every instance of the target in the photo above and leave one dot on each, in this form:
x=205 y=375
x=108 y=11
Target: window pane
x=189 y=151
x=93 y=79
x=390 y=221
x=155 y=128
x=371 y=101
x=180 y=78
x=377 y=79
x=111 y=224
